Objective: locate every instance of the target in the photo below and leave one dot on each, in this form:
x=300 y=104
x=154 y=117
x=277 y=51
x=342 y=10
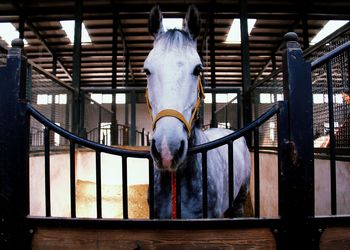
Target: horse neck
x=199 y=136
x=193 y=162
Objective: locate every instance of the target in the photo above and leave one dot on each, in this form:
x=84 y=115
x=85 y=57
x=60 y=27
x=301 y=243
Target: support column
x=127 y=98
x=53 y=104
x=21 y=27
x=77 y=122
x=246 y=82
x=213 y=122
x=306 y=42
x=114 y=130
x=133 y=119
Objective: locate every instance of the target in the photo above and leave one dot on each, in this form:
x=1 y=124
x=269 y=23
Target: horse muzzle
x=168 y=155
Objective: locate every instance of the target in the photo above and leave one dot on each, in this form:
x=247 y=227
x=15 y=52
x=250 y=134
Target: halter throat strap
x=176 y=114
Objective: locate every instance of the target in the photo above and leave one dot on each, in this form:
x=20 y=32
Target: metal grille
x=51 y=99
x=340 y=98
x=97 y=122
x=228 y=109
x=265 y=95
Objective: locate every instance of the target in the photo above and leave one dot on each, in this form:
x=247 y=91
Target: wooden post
x=14 y=151
x=296 y=159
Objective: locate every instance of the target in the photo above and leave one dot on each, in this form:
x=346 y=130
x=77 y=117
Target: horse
x=174 y=90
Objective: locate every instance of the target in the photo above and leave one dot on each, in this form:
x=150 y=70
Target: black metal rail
x=326 y=60
x=98 y=148
x=295 y=163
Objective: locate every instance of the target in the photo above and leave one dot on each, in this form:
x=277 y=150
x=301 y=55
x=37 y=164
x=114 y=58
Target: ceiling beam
x=126 y=50
x=278 y=48
x=32 y=27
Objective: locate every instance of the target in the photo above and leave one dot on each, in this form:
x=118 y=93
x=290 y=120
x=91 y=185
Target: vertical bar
x=226 y=120
x=98 y=185
x=143 y=137
x=239 y=110
x=77 y=68
x=21 y=27
x=125 y=187
x=47 y=172
x=114 y=129
x=331 y=140
x=127 y=95
x=133 y=119
x=82 y=129
x=151 y=188
x=204 y=185
x=178 y=195
x=213 y=122
x=99 y=125
x=305 y=32
x=72 y=180
x=256 y=173
x=247 y=109
x=231 y=191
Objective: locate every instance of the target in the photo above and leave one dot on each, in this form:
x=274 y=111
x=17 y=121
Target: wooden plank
x=335 y=238
x=86 y=239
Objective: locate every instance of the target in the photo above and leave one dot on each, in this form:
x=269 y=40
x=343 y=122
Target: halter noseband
x=177 y=114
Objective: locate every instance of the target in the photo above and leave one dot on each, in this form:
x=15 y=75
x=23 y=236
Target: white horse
x=173 y=68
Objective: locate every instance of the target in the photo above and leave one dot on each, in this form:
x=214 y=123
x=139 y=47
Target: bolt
x=275 y=231
x=320 y=230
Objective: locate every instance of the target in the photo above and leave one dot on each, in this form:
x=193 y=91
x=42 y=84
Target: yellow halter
x=177 y=114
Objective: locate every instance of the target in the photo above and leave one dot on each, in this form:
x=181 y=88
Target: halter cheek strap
x=177 y=114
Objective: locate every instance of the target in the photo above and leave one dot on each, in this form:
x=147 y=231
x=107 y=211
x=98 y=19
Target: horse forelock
x=174 y=39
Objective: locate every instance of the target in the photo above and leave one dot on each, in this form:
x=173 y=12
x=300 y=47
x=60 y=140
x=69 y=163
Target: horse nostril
x=181 y=149
x=154 y=150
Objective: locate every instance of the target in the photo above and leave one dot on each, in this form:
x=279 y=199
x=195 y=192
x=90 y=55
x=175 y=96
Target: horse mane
x=175 y=38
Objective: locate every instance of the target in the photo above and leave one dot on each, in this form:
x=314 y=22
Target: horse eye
x=147 y=71
x=197 y=70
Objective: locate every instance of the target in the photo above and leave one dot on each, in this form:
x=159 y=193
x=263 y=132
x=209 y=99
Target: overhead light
x=69 y=25
x=234 y=35
x=172 y=23
x=8 y=32
x=328 y=29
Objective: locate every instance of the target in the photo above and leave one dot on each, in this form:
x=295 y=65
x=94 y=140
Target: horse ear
x=192 y=22
x=155 y=21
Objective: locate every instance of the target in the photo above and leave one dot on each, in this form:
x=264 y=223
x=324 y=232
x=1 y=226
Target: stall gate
x=295 y=227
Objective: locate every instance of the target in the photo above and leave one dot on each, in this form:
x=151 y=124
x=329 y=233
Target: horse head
x=174 y=89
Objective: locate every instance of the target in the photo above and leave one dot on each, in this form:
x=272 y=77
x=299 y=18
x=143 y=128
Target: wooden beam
x=259 y=238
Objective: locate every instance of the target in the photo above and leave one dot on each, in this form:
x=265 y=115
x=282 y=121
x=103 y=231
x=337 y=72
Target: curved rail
x=86 y=143
x=146 y=154
x=237 y=134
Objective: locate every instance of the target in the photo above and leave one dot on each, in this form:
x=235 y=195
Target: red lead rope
x=173 y=195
